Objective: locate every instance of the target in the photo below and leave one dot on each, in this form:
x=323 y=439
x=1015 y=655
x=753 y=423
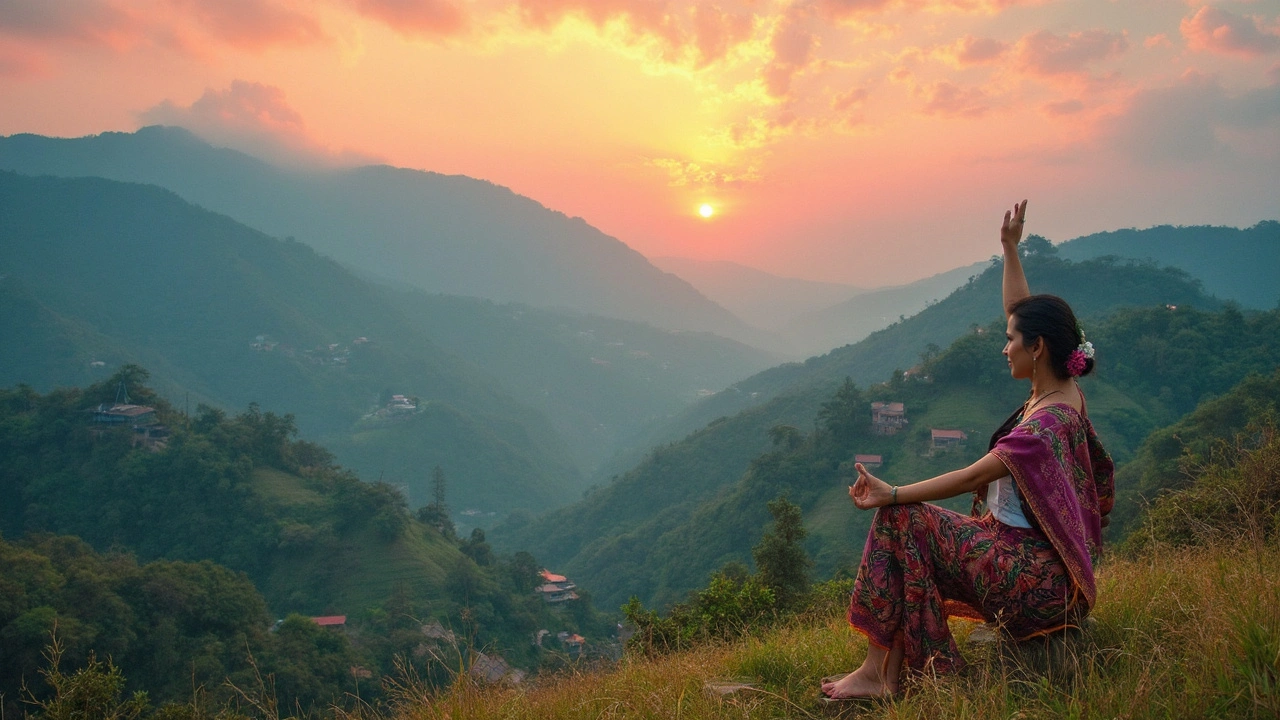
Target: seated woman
x=1027 y=563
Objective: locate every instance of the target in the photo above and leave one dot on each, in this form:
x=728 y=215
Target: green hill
x=241 y=492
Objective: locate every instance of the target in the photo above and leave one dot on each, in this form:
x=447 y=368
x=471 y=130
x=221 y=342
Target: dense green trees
x=229 y=502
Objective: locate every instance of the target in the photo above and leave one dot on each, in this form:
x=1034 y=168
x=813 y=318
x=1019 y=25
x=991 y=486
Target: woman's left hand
x=868 y=491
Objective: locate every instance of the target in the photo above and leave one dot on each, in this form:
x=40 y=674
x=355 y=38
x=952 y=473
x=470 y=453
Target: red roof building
x=337 y=621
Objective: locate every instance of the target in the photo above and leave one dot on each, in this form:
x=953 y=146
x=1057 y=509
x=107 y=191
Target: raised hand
x=1011 y=230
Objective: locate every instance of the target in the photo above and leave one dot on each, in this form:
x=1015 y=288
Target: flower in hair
x=1077 y=360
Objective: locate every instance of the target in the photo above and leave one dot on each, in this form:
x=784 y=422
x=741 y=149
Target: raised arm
x=1015 y=282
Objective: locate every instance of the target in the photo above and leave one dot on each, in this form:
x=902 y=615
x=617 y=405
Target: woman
x=1027 y=563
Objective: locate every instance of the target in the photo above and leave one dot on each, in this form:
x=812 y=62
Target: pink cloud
x=253 y=118
x=415 y=17
x=845 y=8
x=1217 y=30
x=970 y=50
x=717 y=32
x=949 y=100
x=793 y=48
x=92 y=21
x=251 y=23
x=1160 y=40
x=1065 y=107
x=1044 y=53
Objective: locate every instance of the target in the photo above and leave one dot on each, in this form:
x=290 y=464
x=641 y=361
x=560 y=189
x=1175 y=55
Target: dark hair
x=1050 y=317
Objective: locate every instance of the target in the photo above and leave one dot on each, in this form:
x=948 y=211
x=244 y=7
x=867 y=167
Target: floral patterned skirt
x=923 y=564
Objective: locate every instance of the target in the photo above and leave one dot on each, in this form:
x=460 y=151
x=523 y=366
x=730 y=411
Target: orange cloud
x=1065 y=107
x=253 y=118
x=1217 y=30
x=793 y=51
x=251 y=23
x=695 y=33
x=970 y=50
x=949 y=100
x=432 y=18
x=1044 y=53
x=684 y=173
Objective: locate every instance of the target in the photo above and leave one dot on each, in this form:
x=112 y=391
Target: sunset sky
x=863 y=141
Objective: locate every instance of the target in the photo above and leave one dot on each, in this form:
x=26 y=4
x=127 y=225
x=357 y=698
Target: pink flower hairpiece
x=1076 y=361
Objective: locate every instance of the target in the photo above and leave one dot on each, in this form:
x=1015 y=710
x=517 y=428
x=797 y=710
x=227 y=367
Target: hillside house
x=556 y=588
x=332 y=622
x=124 y=414
x=887 y=418
x=943 y=439
x=870 y=462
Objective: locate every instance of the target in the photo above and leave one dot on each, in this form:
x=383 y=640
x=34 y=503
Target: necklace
x=1026 y=407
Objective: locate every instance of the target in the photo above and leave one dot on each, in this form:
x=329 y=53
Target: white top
x=1003 y=502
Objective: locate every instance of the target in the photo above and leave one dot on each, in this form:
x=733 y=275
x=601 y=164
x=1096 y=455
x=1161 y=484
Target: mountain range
x=95 y=274
x=439 y=233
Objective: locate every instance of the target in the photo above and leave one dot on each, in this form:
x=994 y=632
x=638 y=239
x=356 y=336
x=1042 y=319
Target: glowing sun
x=706 y=211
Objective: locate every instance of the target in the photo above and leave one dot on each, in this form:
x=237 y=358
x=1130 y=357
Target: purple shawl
x=1066 y=480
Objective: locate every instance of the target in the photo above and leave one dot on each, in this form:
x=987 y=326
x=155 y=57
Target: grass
x=1181 y=633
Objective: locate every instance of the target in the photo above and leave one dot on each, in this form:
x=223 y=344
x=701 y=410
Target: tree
x=781 y=561
x=436 y=513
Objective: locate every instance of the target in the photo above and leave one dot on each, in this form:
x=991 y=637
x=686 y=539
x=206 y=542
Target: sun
x=706 y=210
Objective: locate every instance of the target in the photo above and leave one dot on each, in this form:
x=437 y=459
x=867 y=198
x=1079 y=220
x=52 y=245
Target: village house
x=870 y=462
x=887 y=418
x=943 y=439
x=332 y=622
x=556 y=588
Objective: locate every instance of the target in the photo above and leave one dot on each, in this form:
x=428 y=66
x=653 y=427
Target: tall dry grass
x=1190 y=632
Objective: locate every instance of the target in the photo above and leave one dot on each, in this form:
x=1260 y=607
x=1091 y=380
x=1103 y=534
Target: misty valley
x=305 y=438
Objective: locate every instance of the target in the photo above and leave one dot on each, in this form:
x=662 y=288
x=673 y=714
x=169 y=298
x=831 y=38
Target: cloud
x=695 y=34
x=1197 y=121
x=251 y=23
x=684 y=173
x=970 y=50
x=185 y=24
x=431 y=18
x=94 y=21
x=793 y=50
x=16 y=62
x=1044 y=53
x=253 y=118
x=1216 y=30
x=716 y=32
x=1160 y=40
x=949 y=100
x=1065 y=107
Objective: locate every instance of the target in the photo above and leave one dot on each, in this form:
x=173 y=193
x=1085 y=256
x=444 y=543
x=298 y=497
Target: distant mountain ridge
x=1238 y=264
x=448 y=234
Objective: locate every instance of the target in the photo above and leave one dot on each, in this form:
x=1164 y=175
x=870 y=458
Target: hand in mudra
x=868 y=491
x=1011 y=230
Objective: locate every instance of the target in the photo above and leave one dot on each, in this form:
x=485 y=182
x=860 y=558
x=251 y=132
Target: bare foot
x=858 y=684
